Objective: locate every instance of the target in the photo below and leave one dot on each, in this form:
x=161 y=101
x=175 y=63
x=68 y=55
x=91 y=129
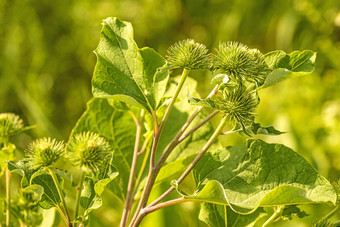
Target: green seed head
x=188 y=54
x=44 y=152
x=239 y=105
x=10 y=124
x=261 y=68
x=239 y=62
x=88 y=150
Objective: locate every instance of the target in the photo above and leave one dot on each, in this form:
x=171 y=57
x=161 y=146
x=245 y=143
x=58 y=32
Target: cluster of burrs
x=86 y=150
x=238 y=68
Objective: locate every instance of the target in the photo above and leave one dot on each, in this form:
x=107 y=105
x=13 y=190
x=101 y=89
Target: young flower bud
x=44 y=152
x=239 y=62
x=88 y=150
x=239 y=105
x=10 y=124
x=188 y=54
x=261 y=68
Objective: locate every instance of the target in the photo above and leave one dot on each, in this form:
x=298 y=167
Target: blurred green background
x=47 y=60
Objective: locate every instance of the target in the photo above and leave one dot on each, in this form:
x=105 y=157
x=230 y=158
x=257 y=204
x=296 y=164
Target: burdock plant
x=88 y=151
x=41 y=154
x=240 y=63
x=44 y=152
x=230 y=181
x=10 y=124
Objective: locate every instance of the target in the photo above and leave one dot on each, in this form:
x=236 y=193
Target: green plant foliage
x=94 y=187
x=50 y=197
x=124 y=71
x=257 y=129
x=120 y=136
x=285 y=66
x=259 y=174
x=141 y=140
x=216 y=215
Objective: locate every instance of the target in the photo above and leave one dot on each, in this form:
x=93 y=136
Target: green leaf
x=22 y=168
x=93 y=188
x=259 y=174
x=89 y=200
x=257 y=129
x=285 y=66
x=7 y=153
x=216 y=215
x=118 y=129
x=50 y=197
x=203 y=102
x=125 y=72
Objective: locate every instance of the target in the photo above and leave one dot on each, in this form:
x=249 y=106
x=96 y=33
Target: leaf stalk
x=275 y=215
x=78 y=195
x=56 y=182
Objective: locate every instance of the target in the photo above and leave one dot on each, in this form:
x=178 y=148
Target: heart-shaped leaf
x=258 y=174
x=125 y=72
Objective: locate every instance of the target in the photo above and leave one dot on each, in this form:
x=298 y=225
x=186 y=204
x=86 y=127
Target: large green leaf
x=221 y=216
x=50 y=197
x=125 y=72
x=259 y=174
x=119 y=130
x=285 y=66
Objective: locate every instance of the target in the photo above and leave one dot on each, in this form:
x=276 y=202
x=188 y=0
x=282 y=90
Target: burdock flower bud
x=239 y=105
x=44 y=152
x=10 y=124
x=239 y=62
x=88 y=150
x=261 y=68
x=188 y=54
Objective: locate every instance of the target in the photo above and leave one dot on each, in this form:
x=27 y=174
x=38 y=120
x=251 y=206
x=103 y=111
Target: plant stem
x=152 y=176
x=148 y=210
x=175 y=142
x=78 y=195
x=211 y=140
x=62 y=214
x=275 y=215
x=205 y=120
x=129 y=196
x=56 y=182
x=8 y=197
x=166 y=116
x=144 y=162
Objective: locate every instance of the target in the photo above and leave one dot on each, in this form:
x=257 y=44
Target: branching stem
x=129 y=193
x=152 y=175
x=205 y=120
x=275 y=215
x=212 y=139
